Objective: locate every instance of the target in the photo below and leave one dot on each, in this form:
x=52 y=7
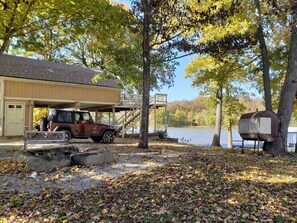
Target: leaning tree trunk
x=143 y=140
x=4 y=45
x=265 y=59
x=289 y=90
x=218 y=125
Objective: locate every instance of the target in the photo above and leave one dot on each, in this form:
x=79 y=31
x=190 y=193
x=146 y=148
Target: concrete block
x=92 y=158
x=42 y=163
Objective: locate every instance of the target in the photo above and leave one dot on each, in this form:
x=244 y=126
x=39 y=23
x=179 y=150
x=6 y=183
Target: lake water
x=203 y=136
x=200 y=135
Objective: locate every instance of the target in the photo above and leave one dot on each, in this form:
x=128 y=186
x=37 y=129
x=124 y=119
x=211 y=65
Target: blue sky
x=182 y=89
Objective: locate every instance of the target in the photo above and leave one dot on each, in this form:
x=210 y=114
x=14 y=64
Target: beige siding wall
x=52 y=91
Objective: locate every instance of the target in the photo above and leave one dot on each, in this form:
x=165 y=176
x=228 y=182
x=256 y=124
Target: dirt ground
x=169 y=182
x=128 y=159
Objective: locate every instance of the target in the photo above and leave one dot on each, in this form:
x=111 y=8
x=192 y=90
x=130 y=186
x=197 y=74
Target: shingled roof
x=20 y=67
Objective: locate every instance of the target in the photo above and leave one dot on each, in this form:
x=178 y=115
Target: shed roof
x=20 y=67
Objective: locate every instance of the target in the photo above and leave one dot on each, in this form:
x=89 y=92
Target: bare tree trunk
x=229 y=119
x=265 y=59
x=143 y=140
x=230 y=137
x=218 y=125
x=289 y=90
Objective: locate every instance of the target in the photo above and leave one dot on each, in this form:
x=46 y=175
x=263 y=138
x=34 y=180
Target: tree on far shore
x=219 y=78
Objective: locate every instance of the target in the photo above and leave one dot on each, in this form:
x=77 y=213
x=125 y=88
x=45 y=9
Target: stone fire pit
x=47 y=159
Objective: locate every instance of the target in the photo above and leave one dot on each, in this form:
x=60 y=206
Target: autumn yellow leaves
x=203 y=186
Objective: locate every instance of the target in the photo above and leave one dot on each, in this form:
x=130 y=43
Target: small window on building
x=18 y=106
x=10 y=106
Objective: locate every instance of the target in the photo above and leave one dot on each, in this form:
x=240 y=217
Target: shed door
x=15 y=119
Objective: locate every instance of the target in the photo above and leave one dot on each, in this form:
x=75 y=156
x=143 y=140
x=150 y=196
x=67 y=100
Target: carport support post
x=124 y=126
x=155 y=114
x=296 y=144
x=96 y=116
x=31 y=106
x=1 y=107
x=166 y=118
x=113 y=116
x=100 y=117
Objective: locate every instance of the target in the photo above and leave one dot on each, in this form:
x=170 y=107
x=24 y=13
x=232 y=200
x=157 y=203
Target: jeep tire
x=67 y=135
x=108 y=137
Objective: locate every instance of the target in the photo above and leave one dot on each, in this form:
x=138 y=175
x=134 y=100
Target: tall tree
x=289 y=88
x=146 y=58
x=268 y=22
x=265 y=57
x=167 y=33
x=232 y=109
x=79 y=39
x=219 y=108
x=214 y=75
x=19 y=18
x=159 y=36
x=101 y=35
x=248 y=24
x=14 y=18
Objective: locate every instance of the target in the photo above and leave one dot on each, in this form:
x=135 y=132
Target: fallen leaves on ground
x=204 y=185
x=7 y=166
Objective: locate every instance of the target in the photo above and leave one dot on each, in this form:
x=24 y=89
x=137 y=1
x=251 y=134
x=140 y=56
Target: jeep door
x=83 y=124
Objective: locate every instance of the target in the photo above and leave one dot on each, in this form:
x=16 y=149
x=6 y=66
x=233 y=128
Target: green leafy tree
x=264 y=55
x=270 y=21
x=264 y=23
x=232 y=109
x=213 y=75
x=96 y=25
x=44 y=44
x=101 y=35
x=159 y=36
x=210 y=116
x=20 y=18
x=180 y=118
x=243 y=25
x=162 y=117
x=38 y=114
x=162 y=33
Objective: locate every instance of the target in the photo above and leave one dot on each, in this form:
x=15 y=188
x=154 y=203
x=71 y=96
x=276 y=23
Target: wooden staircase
x=127 y=120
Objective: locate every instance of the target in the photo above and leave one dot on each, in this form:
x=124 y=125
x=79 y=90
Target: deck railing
x=136 y=99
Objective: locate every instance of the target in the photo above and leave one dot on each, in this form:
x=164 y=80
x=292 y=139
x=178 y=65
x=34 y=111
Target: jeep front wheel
x=108 y=137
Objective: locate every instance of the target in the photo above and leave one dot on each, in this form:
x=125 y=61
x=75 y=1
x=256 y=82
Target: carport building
x=27 y=83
